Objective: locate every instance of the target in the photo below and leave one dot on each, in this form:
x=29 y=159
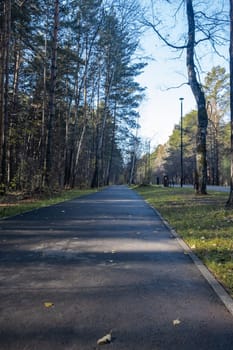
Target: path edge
x=213 y=282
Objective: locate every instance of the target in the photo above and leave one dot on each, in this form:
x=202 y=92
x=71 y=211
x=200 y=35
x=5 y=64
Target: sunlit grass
x=202 y=221
x=20 y=206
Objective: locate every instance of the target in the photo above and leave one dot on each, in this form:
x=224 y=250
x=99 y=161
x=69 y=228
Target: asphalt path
x=211 y=188
x=72 y=272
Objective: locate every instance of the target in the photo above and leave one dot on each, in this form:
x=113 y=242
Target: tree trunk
x=49 y=155
x=5 y=91
x=201 y=162
x=77 y=154
x=14 y=146
x=230 y=199
x=98 y=168
x=113 y=141
x=2 y=79
x=95 y=177
x=43 y=118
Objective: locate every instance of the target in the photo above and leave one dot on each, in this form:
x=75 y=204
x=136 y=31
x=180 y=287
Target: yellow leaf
x=48 y=304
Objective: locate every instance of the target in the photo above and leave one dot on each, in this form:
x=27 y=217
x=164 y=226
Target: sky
x=161 y=109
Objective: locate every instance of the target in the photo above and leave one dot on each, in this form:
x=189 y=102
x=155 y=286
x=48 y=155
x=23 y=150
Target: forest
x=68 y=94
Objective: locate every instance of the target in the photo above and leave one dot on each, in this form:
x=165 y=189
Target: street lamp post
x=181 y=143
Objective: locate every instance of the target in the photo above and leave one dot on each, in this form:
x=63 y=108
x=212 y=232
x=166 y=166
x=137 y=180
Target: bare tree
x=195 y=24
x=201 y=163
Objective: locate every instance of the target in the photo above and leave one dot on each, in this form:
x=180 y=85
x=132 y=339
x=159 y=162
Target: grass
x=15 y=203
x=202 y=222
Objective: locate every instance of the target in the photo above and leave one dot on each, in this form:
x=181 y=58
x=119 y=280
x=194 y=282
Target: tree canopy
x=69 y=97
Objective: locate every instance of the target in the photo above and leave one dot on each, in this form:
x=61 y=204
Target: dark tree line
x=68 y=95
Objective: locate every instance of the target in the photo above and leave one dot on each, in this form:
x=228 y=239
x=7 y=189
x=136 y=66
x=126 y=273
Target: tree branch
x=213 y=19
x=153 y=26
x=176 y=87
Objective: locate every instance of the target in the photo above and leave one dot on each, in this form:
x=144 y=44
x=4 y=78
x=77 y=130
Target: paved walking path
x=102 y=262
x=212 y=188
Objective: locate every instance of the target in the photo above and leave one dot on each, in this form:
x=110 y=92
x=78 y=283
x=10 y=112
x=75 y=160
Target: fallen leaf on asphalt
x=48 y=304
x=105 y=340
x=176 y=322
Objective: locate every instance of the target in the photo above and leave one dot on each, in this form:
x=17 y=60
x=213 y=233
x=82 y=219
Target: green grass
x=16 y=206
x=202 y=222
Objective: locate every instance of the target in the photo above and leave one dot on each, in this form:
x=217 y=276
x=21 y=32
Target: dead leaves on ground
x=107 y=339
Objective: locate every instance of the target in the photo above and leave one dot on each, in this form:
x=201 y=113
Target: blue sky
x=160 y=110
